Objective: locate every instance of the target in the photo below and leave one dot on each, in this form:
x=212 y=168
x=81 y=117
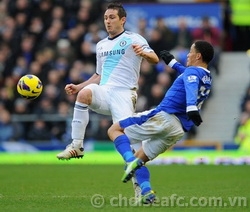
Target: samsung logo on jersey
x=206 y=79
x=112 y=52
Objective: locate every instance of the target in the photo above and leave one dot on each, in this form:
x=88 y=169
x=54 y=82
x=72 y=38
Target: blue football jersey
x=190 y=88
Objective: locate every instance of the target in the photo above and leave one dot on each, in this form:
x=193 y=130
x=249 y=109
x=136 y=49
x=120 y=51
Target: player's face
x=192 y=56
x=114 y=25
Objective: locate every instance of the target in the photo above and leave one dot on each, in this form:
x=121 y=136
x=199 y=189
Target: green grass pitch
x=70 y=187
x=31 y=182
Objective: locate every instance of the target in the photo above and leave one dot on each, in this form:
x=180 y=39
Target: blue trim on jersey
x=137 y=119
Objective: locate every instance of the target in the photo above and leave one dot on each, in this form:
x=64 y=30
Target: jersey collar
x=116 y=36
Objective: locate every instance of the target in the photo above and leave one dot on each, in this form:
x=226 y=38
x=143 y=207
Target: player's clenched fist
x=71 y=89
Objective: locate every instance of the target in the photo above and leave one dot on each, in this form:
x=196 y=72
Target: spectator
x=43 y=10
x=27 y=48
x=6 y=126
x=75 y=37
x=91 y=38
x=46 y=106
x=39 y=131
x=36 y=28
x=20 y=69
x=103 y=125
x=167 y=34
x=213 y=35
x=143 y=29
x=242 y=137
x=183 y=39
x=157 y=40
x=6 y=98
x=183 y=35
x=21 y=106
x=60 y=128
x=61 y=65
x=65 y=50
x=156 y=95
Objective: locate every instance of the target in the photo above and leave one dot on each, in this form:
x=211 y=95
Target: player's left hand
x=195 y=117
x=166 y=56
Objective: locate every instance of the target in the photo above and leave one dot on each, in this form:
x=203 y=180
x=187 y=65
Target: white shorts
x=117 y=102
x=156 y=135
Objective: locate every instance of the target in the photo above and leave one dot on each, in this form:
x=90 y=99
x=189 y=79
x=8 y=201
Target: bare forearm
x=95 y=78
x=151 y=57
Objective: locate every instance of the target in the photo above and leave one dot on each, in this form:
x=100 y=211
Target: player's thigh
x=153 y=148
x=100 y=99
x=170 y=133
x=158 y=133
x=156 y=146
x=122 y=103
x=137 y=133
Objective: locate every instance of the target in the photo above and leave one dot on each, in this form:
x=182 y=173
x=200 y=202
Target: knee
x=84 y=96
x=111 y=131
x=114 y=131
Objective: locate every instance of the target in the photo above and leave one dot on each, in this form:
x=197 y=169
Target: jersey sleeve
x=178 y=66
x=138 y=39
x=191 y=83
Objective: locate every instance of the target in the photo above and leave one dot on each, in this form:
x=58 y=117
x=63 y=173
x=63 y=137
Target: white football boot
x=136 y=188
x=71 y=151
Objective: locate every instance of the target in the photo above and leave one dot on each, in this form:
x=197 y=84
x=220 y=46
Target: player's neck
x=201 y=64
x=113 y=36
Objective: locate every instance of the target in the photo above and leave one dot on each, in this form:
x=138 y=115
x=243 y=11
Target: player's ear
x=123 y=19
x=198 y=56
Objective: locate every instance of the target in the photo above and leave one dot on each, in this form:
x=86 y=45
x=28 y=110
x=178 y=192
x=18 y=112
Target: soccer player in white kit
x=158 y=129
x=112 y=89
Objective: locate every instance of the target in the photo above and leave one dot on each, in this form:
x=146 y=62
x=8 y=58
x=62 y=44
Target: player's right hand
x=71 y=89
x=166 y=56
x=195 y=117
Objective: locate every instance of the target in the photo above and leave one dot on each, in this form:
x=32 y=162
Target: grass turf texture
x=70 y=187
x=110 y=157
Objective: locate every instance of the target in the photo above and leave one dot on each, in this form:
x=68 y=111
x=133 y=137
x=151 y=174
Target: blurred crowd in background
x=55 y=40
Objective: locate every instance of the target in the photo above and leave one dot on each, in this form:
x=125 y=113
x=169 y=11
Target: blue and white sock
x=143 y=179
x=122 y=145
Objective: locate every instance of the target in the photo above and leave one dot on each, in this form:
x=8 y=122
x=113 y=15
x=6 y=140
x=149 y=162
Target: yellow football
x=29 y=86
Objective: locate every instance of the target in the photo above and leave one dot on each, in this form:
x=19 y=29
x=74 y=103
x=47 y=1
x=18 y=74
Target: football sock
x=143 y=179
x=79 y=122
x=122 y=145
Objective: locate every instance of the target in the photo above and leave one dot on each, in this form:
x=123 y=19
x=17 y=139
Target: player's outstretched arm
x=73 y=89
x=170 y=60
x=151 y=57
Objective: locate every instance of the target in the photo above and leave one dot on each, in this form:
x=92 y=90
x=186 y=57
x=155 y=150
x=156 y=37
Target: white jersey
x=117 y=62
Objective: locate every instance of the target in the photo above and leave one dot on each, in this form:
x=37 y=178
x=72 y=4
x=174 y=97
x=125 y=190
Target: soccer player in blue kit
x=158 y=129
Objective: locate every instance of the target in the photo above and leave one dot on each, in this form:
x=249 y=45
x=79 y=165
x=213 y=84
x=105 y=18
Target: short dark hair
x=118 y=6
x=206 y=50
